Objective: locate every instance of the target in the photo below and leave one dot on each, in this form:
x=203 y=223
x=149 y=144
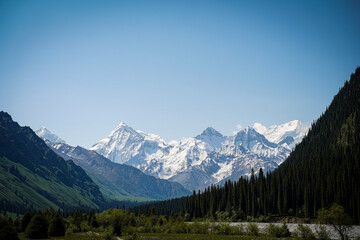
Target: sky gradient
x=172 y=68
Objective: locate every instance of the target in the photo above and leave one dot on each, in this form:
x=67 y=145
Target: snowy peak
x=209 y=132
x=123 y=128
x=294 y=129
x=212 y=138
x=126 y=144
x=259 y=128
x=46 y=134
x=249 y=137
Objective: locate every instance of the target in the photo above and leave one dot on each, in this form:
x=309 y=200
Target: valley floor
x=354 y=232
x=159 y=236
x=164 y=236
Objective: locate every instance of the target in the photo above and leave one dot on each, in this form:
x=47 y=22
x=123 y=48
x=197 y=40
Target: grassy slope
x=33 y=176
x=112 y=193
x=119 y=181
x=27 y=187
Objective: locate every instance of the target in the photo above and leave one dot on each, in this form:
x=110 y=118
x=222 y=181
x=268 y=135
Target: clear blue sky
x=172 y=68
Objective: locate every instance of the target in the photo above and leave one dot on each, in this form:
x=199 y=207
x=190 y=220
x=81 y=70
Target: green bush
x=108 y=236
x=304 y=231
x=261 y=218
x=72 y=228
x=222 y=216
x=56 y=227
x=337 y=217
x=278 y=231
x=221 y=229
x=239 y=229
x=322 y=232
x=199 y=227
x=38 y=227
x=180 y=227
x=7 y=231
x=130 y=234
x=116 y=227
x=253 y=229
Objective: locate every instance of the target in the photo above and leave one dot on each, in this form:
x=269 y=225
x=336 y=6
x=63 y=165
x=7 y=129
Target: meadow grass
x=160 y=236
x=166 y=236
x=75 y=236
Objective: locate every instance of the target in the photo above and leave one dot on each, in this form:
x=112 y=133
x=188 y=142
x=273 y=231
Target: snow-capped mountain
x=289 y=133
x=124 y=144
x=212 y=138
x=45 y=133
x=115 y=180
x=208 y=158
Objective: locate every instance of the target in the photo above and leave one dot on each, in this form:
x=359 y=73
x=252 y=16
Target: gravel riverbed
x=354 y=232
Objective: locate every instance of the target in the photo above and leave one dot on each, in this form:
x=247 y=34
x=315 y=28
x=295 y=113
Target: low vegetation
x=123 y=223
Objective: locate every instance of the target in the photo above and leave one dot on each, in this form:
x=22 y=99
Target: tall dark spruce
x=323 y=169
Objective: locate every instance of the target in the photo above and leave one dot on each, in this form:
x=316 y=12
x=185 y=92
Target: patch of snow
x=46 y=134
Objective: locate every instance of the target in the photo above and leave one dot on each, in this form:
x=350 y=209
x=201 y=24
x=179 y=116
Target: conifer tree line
x=323 y=169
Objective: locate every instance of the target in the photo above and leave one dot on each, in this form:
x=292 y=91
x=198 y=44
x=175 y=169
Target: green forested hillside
x=119 y=181
x=32 y=176
x=323 y=169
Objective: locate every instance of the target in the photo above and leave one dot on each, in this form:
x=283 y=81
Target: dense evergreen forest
x=323 y=169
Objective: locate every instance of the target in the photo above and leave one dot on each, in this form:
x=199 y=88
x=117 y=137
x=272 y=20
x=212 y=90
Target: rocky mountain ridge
x=116 y=181
x=209 y=158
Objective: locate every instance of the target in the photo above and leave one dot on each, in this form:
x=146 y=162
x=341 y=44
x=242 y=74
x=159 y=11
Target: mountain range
x=35 y=174
x=209 y=158
x=32 y=176
x=321 y=173
x=118 y=181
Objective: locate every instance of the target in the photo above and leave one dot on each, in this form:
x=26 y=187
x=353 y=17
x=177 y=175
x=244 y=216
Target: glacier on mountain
x=45 y=133
x=209 y=158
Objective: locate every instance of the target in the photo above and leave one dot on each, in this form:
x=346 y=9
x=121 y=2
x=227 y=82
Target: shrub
x=337 y=217
x=303 y=231
x=130 y=234
x=285 y=230
x=116 y=227
x=7 y=231
x=250 y=219
x=38 y=227
x=180 y=227
x=199 y=227
x=237 y=229
x=108 y=236
x=56 y=227
x=322 y=232
x=278 y=231
x=222 y=229
x=261 y=218
x=222 y=216
x=253 y=229
x=72 y=228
